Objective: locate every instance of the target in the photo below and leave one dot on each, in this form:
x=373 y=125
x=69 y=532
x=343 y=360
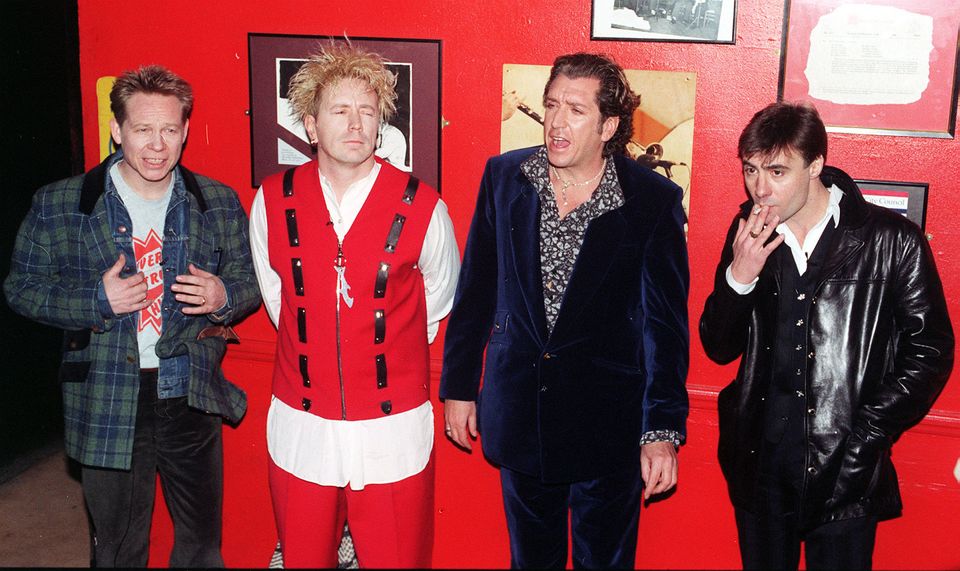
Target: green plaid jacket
x=64 y=246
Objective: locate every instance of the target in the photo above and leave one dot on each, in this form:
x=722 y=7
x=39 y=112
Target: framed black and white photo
x=410 y=141
x=907 y=198
x=709 y=21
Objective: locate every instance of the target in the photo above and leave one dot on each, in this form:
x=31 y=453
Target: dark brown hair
x=785 y=126
x=614 y=98
x=149 y=79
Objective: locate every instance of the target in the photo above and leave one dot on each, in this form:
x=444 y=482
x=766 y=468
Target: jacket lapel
x=98 y=233
x=853 y=214
x=524 y=212
x=194 y=231
x=845 y=247
x=601 y=242
x=98 y=238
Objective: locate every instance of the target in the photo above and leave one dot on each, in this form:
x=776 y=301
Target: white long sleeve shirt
x=359 y=452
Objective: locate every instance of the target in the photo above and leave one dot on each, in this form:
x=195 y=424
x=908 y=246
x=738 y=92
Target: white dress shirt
x=359 y=452
x=800 y=252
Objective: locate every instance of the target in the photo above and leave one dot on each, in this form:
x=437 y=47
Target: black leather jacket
x=882 y=348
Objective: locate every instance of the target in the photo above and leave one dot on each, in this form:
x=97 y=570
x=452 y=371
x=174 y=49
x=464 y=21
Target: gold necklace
x=566 y=185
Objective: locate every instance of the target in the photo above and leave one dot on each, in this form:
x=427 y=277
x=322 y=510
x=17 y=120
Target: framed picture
x=710 y=21
x=907 y=198
x=886 y=67
x=410 y=141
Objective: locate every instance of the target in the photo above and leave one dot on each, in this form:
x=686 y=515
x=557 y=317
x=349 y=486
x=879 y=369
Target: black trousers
x=182 y=444
x=771 y=538
x=604 y=514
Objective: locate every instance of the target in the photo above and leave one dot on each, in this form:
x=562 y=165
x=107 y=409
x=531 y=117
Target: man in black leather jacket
x=837 y=312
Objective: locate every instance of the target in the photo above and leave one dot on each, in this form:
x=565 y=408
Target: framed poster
x=876 y=66
x=907 y=198
x=410 y=141
x=705 y=21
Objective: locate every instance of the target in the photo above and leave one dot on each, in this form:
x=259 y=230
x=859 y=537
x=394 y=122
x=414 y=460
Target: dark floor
x=43 y=522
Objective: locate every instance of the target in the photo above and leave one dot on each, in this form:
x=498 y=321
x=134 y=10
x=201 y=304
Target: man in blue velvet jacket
x=575 y=282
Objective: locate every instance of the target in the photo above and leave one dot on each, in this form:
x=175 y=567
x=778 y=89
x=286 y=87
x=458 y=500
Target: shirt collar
x=536 y=169
x=832 y=212
x=833 y=207
x=178 y=187
x=364 y=183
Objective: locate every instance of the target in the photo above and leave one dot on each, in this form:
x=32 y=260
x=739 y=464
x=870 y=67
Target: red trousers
x=391 y=524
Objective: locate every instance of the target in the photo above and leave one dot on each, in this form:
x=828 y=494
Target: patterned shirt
x=561 y=238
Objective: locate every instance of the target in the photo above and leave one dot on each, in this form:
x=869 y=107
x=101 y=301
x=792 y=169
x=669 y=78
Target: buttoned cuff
x=652 y=436
x=221 y=315
x=103 y=304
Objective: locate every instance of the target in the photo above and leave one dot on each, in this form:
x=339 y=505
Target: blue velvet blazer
x=571 y=405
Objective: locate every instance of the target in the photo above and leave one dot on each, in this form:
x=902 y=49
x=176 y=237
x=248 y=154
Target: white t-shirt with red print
x=147 y=219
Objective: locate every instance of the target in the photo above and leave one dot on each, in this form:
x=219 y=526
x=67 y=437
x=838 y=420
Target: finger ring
x=754 y=234
x=203 y=300
x=448 y=429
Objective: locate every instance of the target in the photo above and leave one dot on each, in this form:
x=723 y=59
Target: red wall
x=207 y=43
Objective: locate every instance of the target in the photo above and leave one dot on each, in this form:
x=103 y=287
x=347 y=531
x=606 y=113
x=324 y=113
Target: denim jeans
x=182 y=444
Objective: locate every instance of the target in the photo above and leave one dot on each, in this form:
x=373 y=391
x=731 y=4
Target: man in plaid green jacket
x=143 y=264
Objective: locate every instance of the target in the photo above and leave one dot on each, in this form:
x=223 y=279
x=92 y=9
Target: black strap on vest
x=394 y=236
x=288 y=182
x=297 y=275
x=303 y=371
x=411 y=191
x=292 y=235
x=381 y=371
x=380 y=287
x=302 y=324
x=379 y=326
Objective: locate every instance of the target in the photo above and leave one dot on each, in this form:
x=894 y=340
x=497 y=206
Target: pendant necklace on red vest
x=343 y=288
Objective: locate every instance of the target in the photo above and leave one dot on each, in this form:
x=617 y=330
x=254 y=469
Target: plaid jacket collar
x=95 y=183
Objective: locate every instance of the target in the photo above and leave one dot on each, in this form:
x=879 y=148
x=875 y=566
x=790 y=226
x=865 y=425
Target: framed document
x=410 y=141
x=875 y=66
x=907 y=198
x=705 y=21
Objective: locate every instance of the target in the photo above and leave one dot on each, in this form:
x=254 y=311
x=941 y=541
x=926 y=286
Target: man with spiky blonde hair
x=357 y=264
x=334 y=63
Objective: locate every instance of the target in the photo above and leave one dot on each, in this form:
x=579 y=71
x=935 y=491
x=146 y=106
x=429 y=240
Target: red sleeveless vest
x=369 y=359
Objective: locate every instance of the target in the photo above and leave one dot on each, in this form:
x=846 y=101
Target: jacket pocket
x=882 y=461
x=727 y=441
x=616 y=367
x=74 y=371
x=76 y=340
x=500 y=321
